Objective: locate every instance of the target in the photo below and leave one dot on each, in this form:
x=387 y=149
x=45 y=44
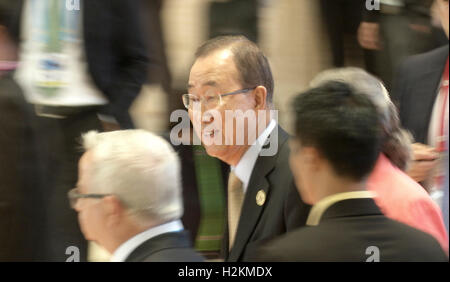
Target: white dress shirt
x=124 y=250
x=243 y=170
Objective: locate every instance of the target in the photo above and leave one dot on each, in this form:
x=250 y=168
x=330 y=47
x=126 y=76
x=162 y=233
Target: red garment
x=401 y=198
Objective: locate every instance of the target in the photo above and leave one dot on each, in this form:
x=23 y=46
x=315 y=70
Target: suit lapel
x=423 y=91
x=251 y=211
x=424 y=94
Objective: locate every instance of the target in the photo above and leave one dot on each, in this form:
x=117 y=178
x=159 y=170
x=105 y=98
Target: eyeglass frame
x=74 y=196
x=241 y=91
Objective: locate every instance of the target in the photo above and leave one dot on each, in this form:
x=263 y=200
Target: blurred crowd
x=68 y=67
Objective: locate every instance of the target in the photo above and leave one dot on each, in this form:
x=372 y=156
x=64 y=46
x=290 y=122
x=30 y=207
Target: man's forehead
x=213 y=70
x=213 y=79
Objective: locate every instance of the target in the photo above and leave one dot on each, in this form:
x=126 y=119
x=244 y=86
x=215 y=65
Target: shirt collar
x=321 y=206
x=243 y=170
x=124 y=250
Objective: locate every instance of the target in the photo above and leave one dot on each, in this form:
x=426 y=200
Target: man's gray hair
x=397 y=141
x=251 y=63
x=140 y=168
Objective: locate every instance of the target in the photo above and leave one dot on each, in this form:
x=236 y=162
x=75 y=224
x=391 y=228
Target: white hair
x=140 y=168
x=397 y=141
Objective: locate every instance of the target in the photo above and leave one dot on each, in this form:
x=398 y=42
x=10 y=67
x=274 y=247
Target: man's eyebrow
x=208 y=83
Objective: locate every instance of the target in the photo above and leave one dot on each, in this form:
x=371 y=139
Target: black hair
x=342 y=125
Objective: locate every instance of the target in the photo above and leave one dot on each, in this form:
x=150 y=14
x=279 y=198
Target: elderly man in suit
x=337 y=143
x=421 y=92
x=128 y=197
x=229 y=77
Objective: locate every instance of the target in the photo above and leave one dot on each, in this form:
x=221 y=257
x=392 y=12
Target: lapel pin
x=260 y=198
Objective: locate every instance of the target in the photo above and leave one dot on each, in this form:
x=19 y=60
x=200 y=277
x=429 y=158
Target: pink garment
x=401 y=198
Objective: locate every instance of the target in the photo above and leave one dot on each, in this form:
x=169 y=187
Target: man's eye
x=210 y=98
x=194 y=99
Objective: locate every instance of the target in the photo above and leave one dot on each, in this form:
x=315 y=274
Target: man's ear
x=260 y=94
x=113 y=210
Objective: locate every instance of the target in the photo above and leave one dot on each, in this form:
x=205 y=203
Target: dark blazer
x=346 y=231
x=282 y=211
x=116 y=52
x=18 y=174
x=415 y=90
x=167 y=247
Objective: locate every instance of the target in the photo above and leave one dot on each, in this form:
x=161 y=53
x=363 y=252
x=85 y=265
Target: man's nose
x=207 y=117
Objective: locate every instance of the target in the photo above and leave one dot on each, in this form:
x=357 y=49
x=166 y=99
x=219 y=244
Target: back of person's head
x=140 y=168
x=10 y=18
x=251 y=63
x=342 y=125
x=396 y=140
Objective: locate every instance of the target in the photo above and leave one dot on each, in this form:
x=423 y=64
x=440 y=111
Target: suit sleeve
x=370 y=16
x=398 y=88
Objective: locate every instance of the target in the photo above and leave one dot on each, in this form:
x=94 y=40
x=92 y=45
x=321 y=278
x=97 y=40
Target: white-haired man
x=128 y=197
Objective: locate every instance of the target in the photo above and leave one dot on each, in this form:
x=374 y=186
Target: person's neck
x=234 y=158
x=123 y=234
x=334 y=185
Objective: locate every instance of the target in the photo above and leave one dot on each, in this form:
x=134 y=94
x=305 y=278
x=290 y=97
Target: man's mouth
x=209 y=133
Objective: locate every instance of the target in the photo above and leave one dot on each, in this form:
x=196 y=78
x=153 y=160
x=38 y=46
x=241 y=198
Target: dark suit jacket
x=412 y=8
x=167 y=247
x=282 y=211
x=18 y=174
x=346 y=230
x=415 y=90
x=116 y=52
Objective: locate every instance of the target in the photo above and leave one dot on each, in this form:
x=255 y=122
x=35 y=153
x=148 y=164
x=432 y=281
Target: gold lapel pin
x=260 y=198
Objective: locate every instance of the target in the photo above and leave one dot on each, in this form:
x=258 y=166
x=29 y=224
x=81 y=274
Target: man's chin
x=216 y=151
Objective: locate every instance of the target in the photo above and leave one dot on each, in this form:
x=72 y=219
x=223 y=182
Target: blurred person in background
x=398 y=196
x=336 y=145
x=342 y=18
x=129 y=197
x=400 y=28
x=18 y=165
x=230 y=73
x=79 y=60
x=421 y=92
x=234 y=17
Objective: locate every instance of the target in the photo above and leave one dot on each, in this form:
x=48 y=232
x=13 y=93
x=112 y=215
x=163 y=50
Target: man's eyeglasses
x=74 y=195
x=209 y=101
